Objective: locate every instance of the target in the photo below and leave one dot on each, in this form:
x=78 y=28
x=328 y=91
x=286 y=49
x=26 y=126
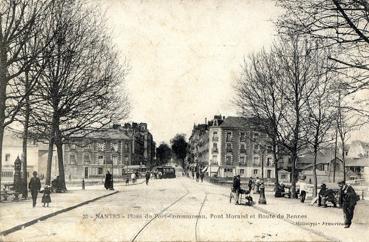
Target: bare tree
x=258 y=96
x=320 y=108
x=81 y=85
x=20 y=21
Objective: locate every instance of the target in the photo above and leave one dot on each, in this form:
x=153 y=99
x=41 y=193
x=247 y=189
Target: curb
x=42 y=218
x=329 y=238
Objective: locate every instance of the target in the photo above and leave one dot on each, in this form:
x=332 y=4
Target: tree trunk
x=275 y=166
x=3 y=84
x=25 y=141
x=315 y=191
x=25 y=136
x=59 y=150
x=343 y=160
x=293 y=171
x=50 y=150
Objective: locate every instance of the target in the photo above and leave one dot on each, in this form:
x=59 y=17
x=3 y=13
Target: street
x=166 y=210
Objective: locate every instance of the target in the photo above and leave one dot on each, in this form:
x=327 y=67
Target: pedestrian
x=147 y=176
x=193 y=174
x=250 y=184
x=108 y=184
x=257 y=185
x=133 y=177
x=197 y=175
x=46 y=198
x=202 y=174
x=348 y=199
x=34 y=187
x=302 y=188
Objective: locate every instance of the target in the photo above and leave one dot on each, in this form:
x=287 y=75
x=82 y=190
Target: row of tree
x=178 y=149
x=302 y=89
x=59 y=73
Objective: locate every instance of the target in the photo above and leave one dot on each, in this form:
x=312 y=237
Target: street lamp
x=262 y=199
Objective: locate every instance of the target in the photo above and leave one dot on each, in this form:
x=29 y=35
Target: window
x=114 y=147
x=228 y=147
x=242 y=159
x=7 y=157
x=115 y=159
x=72 y=159
x=269 y=161
x=256 y=135
x=215 y=158
x=243 y=148
x=283 y=176
x=101 y=146
x=229 y=136
x=256 y=147
x=269 y=149
x=256 y=160
x=255 y=171
x=269 y=173
x=242 y=137
x=242 y=171
x=100 y=171
x=228 y=159
x=100 y=158
x=215 y=148
x=86 y=158
x=215 y=136
x=228 y=169
x=126 y=147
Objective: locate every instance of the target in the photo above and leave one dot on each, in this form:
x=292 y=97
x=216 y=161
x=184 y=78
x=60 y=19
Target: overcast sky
x=185 y=56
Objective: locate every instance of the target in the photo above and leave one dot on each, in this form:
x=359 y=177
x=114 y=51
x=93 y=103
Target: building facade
x=238 y=147
x=112 y=149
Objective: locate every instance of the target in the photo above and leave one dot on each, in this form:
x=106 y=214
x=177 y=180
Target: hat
x=341 y=183
x=323 y=185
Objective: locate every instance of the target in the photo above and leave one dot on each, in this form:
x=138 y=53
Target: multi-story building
x=111 y=149
x=237 y=146
x=199 y=144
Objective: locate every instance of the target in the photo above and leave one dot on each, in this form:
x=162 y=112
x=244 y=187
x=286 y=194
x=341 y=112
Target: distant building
x=110 y=149
x=232 y=146
x=36 y=155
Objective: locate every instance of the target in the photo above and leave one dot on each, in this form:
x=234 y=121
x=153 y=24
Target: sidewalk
x=327 y=222
x=14 y=214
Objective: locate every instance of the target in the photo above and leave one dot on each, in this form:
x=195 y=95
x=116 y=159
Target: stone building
x=238 y=147
x=111 y=149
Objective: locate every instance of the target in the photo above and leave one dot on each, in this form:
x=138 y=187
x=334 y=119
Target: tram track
x=145 y=226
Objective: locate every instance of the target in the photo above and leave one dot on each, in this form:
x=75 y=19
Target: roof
x=364 y=162
x=105 y=134
x=238 y=122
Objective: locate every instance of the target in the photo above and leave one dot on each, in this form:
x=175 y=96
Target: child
x=46 y=199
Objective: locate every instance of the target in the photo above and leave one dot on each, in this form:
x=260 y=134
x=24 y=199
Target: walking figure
x=348 y=199
x=34 y=186
x=147 y=176
x=46 y=198
x=202 y=174
x=108 y=181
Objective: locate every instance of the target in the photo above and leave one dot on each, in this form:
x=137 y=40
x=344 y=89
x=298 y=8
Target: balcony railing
x=229 y=150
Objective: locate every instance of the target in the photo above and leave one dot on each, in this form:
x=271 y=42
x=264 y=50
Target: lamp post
x=262 y=199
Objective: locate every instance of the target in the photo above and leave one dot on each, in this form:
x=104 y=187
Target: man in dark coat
x=147 y=176
x=34 y=187
x=237 y=187
x=108 y=181
x=348 y=199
